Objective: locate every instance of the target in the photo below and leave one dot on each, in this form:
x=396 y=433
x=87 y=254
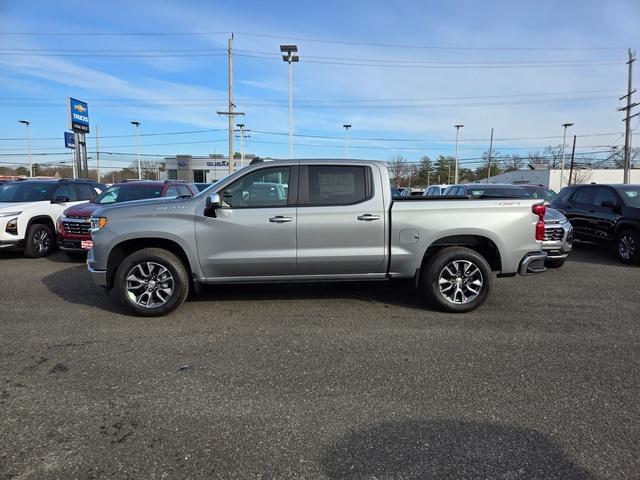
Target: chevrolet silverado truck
x=312 y=220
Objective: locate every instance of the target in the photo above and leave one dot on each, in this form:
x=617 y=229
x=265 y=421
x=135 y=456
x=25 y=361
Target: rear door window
x=337 y=185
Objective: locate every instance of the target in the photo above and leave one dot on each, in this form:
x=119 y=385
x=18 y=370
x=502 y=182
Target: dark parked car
x=604 y=214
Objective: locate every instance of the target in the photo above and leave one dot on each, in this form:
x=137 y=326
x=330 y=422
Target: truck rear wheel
x=456 y=279
x=151 y=282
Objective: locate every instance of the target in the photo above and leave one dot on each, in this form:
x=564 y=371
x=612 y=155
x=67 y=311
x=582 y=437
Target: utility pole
x=137 y=125
x=489 y=157
x=346 y=126
x=230 y=112
x=455 y=177
x=564 y=140
x=290 y=55
x=573 y=155
x=627 y=119
x=28 y=140
x=97 y=154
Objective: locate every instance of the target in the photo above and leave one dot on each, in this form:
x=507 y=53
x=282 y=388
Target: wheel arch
x=479 y=243
x=125 y=248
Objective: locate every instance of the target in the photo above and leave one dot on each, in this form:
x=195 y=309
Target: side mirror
x=60 y=199
x=92 y=198
x=212 y=204
x=608 y=204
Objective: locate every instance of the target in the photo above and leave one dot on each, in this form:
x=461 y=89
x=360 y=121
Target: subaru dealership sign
x=78 y=116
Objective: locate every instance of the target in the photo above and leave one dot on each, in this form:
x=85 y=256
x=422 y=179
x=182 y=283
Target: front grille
x=553 y=234
x=76 y=228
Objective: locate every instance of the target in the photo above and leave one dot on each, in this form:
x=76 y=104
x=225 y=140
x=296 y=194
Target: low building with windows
x=203 y=168
x=551 y=178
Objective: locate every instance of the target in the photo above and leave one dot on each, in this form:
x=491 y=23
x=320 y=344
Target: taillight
x=539 y=210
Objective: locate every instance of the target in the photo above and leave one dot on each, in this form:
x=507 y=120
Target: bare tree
x=398 y=167
x=537 y=159
x=512 y=162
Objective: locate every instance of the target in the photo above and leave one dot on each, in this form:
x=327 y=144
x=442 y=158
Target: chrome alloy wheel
x=626 y=247
x=42 y=242
x=149 y=284
x=460 y=282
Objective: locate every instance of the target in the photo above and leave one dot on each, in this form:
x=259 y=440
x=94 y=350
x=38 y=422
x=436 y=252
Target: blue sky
x=523 y=68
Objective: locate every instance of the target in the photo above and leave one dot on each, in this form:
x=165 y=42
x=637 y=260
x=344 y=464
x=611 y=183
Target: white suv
x=29 y=210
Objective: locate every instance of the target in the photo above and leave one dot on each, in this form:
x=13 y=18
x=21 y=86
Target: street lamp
x=346 y=126
x=241 y=127
x=564 y=137
x=28 y=139
x=137 y=125
x=290 y=55
x=455 y=177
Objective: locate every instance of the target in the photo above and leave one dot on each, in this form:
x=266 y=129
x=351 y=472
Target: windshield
x=127 y=193
x=26 y=192
x=543 y=193
x=498 y=192
x=630 y=196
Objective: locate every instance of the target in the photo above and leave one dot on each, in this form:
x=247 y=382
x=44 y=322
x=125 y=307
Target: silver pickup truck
x=312 y=220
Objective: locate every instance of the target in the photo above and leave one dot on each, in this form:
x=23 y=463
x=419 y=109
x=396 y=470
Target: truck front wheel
x=456 y=279
x=151 y=282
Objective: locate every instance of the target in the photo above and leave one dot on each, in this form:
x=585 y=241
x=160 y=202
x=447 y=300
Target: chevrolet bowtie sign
x=78 y=116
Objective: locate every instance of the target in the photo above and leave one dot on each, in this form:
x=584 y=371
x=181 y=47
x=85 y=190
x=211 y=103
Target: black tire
x=39 y=242
x=155 y=262
x=555 y=262
x=76 y=256
x=439 y=267
x=628 y=247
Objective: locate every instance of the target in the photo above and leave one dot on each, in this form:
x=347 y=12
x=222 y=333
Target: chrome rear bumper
x=533 y=263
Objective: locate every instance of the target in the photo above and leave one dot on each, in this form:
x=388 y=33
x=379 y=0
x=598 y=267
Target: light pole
x=346 y=126
x=28 y=139
x=241 y=127
x=290 y=55
x=564 y=138
x=137 y=125
x=455 y=177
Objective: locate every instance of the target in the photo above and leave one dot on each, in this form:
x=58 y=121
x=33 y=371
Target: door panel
x=343 y=239
x=247 y=243
x=254 y=232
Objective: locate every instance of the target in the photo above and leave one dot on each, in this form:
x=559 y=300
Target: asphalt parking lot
x=322 y=381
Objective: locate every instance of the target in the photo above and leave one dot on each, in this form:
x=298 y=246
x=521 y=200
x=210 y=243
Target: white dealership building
x=202 y=169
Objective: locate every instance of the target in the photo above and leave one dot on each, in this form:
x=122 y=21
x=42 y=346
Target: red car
x=73 y=225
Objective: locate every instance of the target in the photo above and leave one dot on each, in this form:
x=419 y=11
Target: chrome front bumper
x=533 y=263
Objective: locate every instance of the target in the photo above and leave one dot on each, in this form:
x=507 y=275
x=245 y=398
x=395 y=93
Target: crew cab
x=327 y=220
x=605 y=214
x=73 y=226
x=29 y=210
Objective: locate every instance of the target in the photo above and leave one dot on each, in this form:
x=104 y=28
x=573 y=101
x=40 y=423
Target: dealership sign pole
x=79 y=123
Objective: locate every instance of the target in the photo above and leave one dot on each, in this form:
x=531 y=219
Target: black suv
x=604 y=214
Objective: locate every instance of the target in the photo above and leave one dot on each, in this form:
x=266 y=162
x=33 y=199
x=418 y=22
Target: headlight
x=12 y=226
x=9 y=214
x=98 y=223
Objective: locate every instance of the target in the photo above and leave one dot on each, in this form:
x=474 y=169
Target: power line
x=282 y=36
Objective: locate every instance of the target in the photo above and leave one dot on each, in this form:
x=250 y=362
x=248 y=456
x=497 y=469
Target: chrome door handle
x=367 y=217
x=280 y=219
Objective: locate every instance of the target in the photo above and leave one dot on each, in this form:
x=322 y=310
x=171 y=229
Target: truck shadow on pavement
x=74 y=285
x=448 y=449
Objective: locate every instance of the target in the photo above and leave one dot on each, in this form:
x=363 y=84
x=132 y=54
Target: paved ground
x=329 y=381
